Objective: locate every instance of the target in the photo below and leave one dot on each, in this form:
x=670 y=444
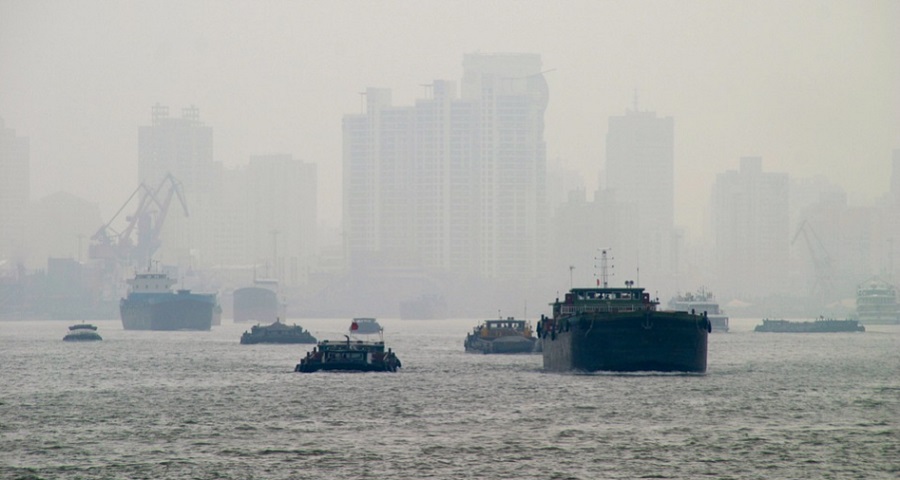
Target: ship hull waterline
x=628 y=342
x=168 y=314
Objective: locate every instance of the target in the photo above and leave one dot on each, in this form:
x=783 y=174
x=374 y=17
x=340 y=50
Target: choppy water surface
x=199 y=405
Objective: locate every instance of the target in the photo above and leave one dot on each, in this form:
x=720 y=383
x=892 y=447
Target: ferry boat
x=258 y=302
x=702 y=301
x=820 y=325
x=876 y=303
x=365 y=326
x=349 y=355
x=152 y=305
x=82 y=332
x=277 y=333
x=502 y=336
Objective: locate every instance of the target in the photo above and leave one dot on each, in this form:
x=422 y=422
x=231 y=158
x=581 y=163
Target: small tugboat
x=82 y=332
x=501 y=336
x=365 y=325
x=821 y=325
x=349 y=355
x=277 y=333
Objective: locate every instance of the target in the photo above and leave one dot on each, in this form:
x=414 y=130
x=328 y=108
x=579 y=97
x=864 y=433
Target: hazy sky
x=812 y=87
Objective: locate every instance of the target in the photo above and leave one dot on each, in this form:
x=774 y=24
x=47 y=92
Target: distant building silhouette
x=455 y=183
x=751 y=218
x=640 y=175
x=180 y=146
x=60 y=225
x=183 y=147
x=278 y=208
x=15 y=192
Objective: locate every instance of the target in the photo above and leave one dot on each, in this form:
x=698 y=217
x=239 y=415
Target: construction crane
x=139 y=240
x=823 y=286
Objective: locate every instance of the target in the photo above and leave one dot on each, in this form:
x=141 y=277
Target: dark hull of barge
x=346 y=367
x=656 y=341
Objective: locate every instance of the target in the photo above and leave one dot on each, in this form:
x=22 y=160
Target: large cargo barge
x=821 y=325
x=620 y=330
x=258 y=303
x=152 y=305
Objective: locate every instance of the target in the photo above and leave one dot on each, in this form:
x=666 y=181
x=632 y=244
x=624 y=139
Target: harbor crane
x=139 y=240
x=824 y=286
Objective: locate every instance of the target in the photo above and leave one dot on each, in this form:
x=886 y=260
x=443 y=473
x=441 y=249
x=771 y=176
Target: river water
x=198 y=405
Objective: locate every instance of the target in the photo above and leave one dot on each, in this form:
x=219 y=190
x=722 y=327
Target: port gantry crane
x=137 y=243
x=824 y=285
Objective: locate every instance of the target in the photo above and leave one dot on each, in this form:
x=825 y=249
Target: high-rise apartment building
x=455 y=182
x=640 y=175
x=183 y=147
x=511 y=95
x=180 y=146
x=751 y=221
x=14 y=192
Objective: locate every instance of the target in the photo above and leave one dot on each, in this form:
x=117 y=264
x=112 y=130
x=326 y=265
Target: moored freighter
x=152 y=305
x=258 y=302
x=620 y=330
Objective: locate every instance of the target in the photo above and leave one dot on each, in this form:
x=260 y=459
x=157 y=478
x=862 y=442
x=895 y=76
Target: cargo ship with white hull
x=876 y=303
x=152 y=305
x=703 y=301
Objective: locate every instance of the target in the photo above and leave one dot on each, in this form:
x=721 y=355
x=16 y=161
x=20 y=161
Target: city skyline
x=808 y=86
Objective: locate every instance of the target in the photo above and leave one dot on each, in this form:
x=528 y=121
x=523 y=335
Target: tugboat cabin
x=503 y=328
x=350 y=351
x=597 y=300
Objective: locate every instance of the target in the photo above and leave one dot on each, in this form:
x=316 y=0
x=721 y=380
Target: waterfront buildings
x=14 y=192
x=640 y=174
x=455 y=182
x=751 y=221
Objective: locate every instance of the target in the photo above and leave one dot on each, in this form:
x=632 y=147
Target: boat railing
x=601 y=308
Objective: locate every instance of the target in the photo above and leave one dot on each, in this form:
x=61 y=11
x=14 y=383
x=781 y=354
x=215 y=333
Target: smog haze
x=811 y=87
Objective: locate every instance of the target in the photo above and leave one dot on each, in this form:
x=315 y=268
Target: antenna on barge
x=604 y=268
